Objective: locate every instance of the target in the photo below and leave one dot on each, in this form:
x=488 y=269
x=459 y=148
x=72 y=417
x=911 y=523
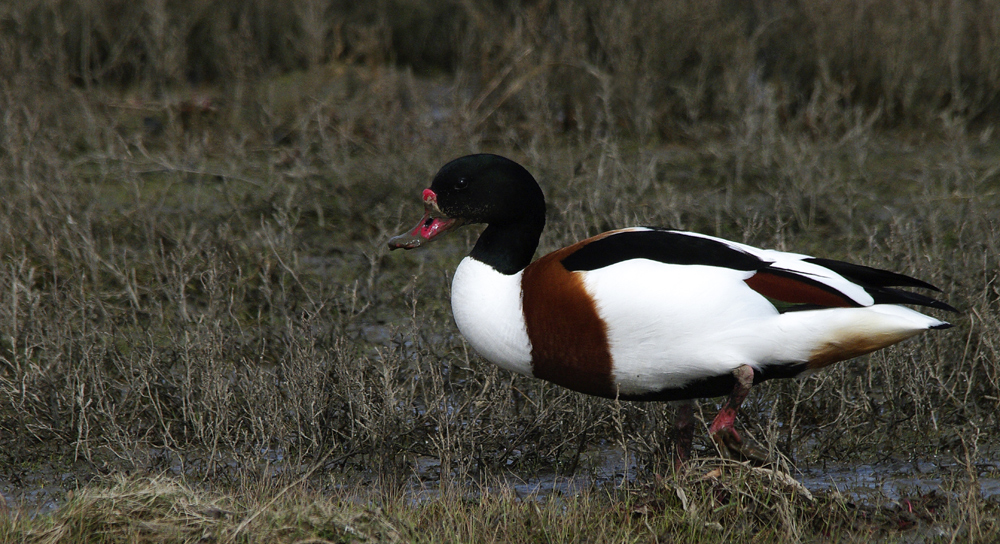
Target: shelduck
x=648 y=313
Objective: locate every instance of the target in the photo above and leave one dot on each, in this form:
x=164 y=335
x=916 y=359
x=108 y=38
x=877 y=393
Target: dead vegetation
x=729 y=503
x=193 y=280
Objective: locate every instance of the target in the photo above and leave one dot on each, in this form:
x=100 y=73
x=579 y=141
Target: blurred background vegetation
x=653 y=67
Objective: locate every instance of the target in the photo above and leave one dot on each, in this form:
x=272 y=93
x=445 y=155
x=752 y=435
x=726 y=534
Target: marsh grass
x=194 y=282
x=732 y=503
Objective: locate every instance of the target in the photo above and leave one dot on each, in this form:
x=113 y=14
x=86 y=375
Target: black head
x=487 y=189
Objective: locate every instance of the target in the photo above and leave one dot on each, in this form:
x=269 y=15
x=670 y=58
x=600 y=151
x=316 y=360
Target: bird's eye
x=462 y=183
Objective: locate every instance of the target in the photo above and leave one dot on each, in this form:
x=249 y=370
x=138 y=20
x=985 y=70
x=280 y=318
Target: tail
x=823 y=337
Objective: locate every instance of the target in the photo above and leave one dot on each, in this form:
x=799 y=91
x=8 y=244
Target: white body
x=669 y=325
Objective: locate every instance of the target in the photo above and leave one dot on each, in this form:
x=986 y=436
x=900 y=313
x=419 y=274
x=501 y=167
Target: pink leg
x=684 y=422
x=723 y=428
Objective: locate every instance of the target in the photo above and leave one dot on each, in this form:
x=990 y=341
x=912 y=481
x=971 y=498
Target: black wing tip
x=946 y=307
x=942 y=326
x=888 y=295
x=876 y=277
x=880 y=284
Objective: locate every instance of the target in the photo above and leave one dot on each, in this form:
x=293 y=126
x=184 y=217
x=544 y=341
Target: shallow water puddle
x=867 y=484
x=598 y=467
x=896 y=480
x=609 y=466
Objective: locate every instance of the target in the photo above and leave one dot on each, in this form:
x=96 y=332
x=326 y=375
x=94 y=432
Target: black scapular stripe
x=660 y=245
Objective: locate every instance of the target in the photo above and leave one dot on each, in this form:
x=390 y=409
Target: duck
x=653 y=314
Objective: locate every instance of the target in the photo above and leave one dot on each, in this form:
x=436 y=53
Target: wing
x=790 y=280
